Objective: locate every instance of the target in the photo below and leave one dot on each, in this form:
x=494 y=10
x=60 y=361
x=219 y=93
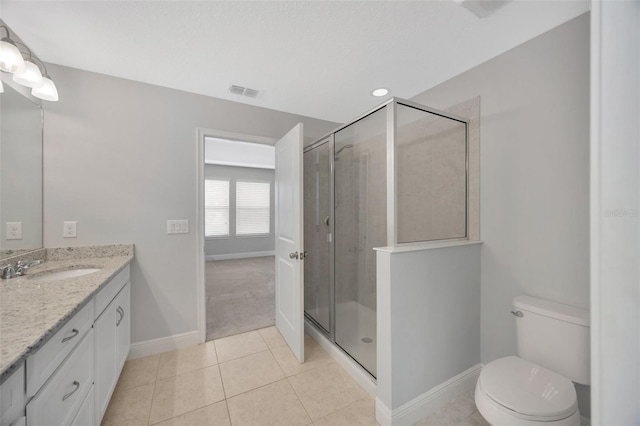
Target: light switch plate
x=69 y=230
x=177 y=226
x=14 y=230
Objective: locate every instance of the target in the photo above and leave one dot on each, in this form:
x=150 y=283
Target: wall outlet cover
x=69 y=229
x=14 y=231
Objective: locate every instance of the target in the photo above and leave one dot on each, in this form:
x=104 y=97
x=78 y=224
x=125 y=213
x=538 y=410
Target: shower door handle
x=293 y=255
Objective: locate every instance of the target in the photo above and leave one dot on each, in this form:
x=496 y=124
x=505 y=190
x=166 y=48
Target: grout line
x=153 y=396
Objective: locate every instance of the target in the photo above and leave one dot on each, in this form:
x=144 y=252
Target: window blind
x=253 y=203
x=216 y=208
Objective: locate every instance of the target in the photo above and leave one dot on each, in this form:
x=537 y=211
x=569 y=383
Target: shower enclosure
x=395 y=177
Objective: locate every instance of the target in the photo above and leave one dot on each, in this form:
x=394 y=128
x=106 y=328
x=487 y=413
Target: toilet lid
x=528 y=389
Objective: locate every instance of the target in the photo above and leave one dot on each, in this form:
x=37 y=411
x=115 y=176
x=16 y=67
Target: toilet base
x=497 y=415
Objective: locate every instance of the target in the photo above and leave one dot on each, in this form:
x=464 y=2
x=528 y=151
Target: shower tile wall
x=431 y=176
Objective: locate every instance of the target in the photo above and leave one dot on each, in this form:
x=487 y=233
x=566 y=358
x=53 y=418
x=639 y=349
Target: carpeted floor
x=240 y=295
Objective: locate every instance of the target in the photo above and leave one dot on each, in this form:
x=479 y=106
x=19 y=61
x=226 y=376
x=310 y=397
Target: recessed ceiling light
x=380 y=92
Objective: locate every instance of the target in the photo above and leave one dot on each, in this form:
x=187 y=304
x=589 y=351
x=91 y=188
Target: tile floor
x=240 y=295
x=251 y=379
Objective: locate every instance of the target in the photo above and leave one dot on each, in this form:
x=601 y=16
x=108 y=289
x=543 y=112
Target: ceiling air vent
x=244 y=91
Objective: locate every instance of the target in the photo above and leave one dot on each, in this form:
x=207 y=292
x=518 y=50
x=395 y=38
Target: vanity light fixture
x=47 y=90
x=30 y=72
x=10 y=57
x=380 y=92
x=31 y=76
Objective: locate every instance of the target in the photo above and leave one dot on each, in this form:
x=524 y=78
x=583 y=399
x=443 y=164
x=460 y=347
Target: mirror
x=20 y=172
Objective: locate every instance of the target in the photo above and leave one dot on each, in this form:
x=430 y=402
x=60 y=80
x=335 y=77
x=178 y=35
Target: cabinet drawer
x=12 y=397
x=85 y=416
x=60 y=399
x=42 y=364
x=108 y=292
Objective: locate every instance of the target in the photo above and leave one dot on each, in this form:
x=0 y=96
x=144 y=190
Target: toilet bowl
x=537 y=386
x=514 y=391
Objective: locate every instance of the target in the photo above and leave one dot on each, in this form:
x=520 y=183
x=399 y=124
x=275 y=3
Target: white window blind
x=216 y=208
x=253 y=203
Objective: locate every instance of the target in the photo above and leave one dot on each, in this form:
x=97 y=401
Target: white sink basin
x=64 y=275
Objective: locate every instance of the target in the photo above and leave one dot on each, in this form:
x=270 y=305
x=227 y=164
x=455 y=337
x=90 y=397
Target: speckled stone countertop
x=32 y=308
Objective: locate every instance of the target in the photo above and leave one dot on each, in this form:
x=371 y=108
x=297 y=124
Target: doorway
x=238 y=227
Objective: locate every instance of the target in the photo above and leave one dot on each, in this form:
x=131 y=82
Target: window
x=253 y=204
x=216 y=208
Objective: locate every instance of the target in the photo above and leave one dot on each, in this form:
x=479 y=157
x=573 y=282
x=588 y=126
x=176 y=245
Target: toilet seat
x=528 y=391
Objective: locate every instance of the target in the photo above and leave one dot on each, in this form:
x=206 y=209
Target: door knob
x=293 y=255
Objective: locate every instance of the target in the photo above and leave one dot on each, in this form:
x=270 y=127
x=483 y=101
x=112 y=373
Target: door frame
x=201 y=134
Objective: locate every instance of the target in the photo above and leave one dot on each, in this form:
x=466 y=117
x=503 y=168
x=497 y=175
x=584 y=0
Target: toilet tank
x=554 y=336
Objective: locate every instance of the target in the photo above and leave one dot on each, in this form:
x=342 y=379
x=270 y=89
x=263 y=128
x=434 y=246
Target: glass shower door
x=360 y=225
x=317 y=229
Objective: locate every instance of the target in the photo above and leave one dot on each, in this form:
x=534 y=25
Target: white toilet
x=535 y=387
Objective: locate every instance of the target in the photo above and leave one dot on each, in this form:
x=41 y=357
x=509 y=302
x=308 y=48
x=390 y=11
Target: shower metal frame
x=392 y=195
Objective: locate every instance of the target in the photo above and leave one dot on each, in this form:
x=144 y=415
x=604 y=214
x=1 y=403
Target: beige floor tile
x=272 y=337
x=325 y=390
x=187 y=392
x=187 y=359
x=129 y=407
x=211 y=415
x=360 y=413
x=314 y=356
x=275 y=404
x=247 y=373
x=244 y=344
x=138 y=372
x=477 y=417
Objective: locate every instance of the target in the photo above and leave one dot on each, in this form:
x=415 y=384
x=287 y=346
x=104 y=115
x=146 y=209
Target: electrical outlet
x=14 y=230
x=69 y=229
x=177 y=226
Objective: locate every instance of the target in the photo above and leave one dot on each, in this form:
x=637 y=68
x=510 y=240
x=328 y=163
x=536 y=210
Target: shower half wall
x=397 y=176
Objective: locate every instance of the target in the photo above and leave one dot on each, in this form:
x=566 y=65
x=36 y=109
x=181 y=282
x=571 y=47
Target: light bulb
x=47 y=91
x=30 y=77
x=10 y=57
x=380 y=92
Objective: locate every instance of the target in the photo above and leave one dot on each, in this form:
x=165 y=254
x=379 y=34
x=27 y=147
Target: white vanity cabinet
x=70 y=379
x=12 y=398
x=112 y=329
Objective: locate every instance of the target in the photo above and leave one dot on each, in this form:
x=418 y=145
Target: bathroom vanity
x=64 y=336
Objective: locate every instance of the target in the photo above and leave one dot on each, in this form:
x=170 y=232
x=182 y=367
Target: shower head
x=340 y=150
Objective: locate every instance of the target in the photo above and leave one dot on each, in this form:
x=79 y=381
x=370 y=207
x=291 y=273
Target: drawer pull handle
x=121 y=312
x=77 y=385
x=75 y=333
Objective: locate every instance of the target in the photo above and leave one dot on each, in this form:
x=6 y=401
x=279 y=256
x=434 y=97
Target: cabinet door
x=123 y=327
x=105 y=358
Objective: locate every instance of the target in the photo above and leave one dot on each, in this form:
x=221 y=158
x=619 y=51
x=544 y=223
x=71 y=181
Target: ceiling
x=315 y=58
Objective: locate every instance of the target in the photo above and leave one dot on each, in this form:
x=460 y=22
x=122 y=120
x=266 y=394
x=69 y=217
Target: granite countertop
x=32 y=308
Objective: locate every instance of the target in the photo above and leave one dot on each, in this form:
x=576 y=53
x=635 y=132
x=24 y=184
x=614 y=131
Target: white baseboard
x=430 y=401
x=211 y=257
x=358 y=374
x=163 y=344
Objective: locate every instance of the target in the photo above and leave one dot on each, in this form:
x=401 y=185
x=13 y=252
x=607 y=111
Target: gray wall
x=232 y=244
x=429 y=307
x=534 y=174
x=120 y=158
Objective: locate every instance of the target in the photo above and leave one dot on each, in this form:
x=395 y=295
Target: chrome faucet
x=9 y=271
x=22 y=268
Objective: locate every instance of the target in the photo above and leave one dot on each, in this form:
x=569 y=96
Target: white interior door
x=289 y=244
